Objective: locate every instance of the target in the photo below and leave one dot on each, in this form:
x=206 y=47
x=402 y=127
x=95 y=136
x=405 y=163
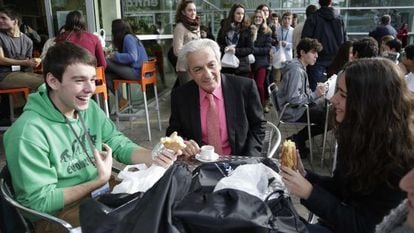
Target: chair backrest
x=272 y=90
x=101 y=82
x=273 y=95
x=148 y=73
x=7 y=195
x=272 y=140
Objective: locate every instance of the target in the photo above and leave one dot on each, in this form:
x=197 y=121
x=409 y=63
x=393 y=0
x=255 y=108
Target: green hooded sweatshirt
x=44 y=155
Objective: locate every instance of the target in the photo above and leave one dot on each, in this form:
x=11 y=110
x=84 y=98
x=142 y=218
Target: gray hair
x=197 y=45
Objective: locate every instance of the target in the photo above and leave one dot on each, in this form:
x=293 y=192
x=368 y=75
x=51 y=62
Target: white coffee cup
x=207 y=152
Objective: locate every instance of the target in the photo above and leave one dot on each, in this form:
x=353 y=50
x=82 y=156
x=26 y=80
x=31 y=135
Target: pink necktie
x=213 y=125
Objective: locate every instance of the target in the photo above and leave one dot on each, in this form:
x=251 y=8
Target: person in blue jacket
x=126 y=63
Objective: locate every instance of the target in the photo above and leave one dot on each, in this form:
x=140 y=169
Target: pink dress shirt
x=218 y=98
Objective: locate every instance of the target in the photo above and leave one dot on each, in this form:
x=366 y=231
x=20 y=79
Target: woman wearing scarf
x=262 y=43
x=235 y=37
x=187 y=28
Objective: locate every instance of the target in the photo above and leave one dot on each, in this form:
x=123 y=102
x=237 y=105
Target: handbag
x=230 y=210
x=251 y=58
x=171 y=57
x=278 y=57
x=230 y=60
x=244 y=68
x=101 y=34
x=149 y=212
x=103 y=215
x=286 y=216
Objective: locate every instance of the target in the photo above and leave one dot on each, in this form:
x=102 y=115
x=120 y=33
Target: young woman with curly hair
x=374 y=111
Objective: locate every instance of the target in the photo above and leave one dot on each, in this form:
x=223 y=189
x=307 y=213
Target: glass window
x=61 y=8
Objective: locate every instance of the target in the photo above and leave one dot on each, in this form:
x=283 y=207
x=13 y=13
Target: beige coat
x=182 y=36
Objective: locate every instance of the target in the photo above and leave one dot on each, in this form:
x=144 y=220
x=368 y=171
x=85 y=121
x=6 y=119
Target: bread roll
x=173 y=142
x=288 y=157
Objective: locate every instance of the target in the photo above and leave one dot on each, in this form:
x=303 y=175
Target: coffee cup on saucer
x=207 y=152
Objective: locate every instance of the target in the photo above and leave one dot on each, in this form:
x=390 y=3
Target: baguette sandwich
x=288 y=157
x=173 y=142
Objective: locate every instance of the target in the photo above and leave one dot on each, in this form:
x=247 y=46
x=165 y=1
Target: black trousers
x=317 y=113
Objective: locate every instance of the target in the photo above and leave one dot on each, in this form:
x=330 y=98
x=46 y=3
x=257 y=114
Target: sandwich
x=173 y=142
x=288 y=157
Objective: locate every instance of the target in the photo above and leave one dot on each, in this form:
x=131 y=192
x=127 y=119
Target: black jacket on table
x=244 y=114
x=244 y=47
x=346 y=211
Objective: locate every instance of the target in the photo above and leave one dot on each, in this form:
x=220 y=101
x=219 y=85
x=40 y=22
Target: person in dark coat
x=374 y=113
x=240 y=114
x=384 y=29
x=328 y=28
x=234 y=37
x=262 y=39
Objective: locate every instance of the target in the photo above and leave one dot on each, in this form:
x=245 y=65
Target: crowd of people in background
x=373 y=105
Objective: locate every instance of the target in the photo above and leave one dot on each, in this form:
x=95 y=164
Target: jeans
x=118 y=71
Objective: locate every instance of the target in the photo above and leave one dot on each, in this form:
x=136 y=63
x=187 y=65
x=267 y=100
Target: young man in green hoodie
x=61 y=147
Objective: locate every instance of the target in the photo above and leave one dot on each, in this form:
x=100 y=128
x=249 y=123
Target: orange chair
x=148 y=77
x=12 y=93
x=101 y=88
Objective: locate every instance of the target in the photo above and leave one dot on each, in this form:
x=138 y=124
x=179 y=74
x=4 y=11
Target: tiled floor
x=136 y=131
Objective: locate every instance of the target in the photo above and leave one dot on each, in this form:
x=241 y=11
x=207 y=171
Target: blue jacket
x=133 y=53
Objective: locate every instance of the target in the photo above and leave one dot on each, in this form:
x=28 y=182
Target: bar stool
x=148 y=77
x=11 y=92
x=101 y=88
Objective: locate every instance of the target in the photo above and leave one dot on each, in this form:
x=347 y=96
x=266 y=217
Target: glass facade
x=152 y=18
x=360 y=16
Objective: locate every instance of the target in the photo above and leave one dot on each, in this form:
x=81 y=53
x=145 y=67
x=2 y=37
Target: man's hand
x=165 y=158
x=191 y=149
x=103 y=162
x=296 y=183
x=31 y=62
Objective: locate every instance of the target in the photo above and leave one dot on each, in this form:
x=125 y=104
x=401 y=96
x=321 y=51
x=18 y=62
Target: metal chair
x=148 y=77
x=11 y=92
x=272 y=140
x=101 y=88
x=273 y=89
x=7 y=196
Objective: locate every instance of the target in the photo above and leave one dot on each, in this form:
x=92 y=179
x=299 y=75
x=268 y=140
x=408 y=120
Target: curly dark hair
x=307 y=44
x=376 y=137
x=365 y=47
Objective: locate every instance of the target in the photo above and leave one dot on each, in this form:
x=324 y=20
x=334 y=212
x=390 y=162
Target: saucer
x=198 y=157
